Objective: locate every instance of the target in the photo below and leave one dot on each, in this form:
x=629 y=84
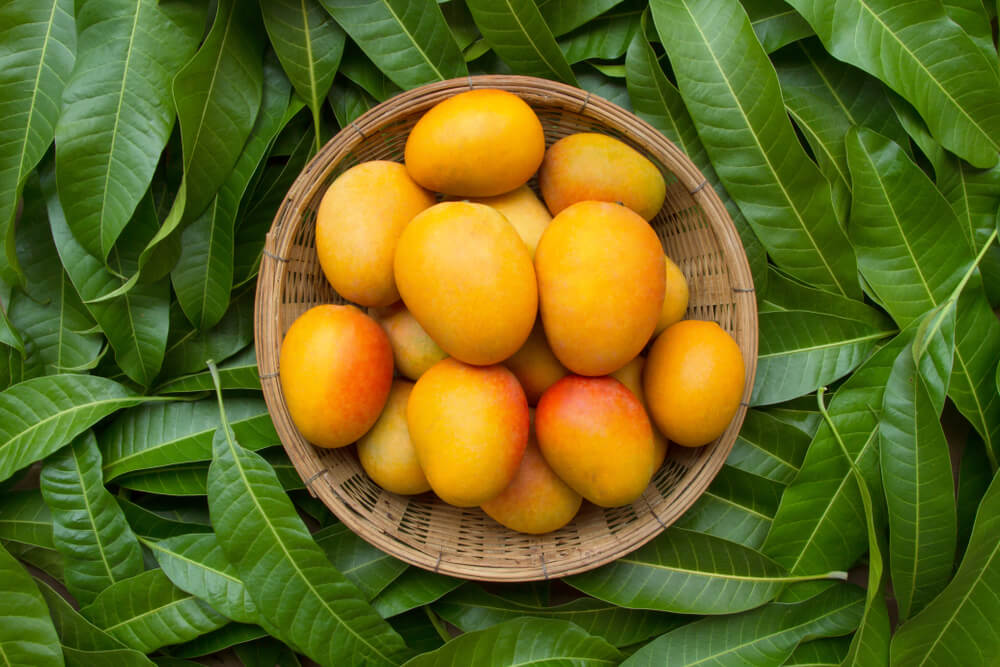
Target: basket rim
x=270 y=287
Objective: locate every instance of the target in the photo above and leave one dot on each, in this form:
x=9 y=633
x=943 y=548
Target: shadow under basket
x=696 y=233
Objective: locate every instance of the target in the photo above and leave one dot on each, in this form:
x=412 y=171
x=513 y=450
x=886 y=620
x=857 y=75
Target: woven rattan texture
x=696 y=233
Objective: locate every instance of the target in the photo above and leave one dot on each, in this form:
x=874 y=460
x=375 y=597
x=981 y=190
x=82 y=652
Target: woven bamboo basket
x=696 y=232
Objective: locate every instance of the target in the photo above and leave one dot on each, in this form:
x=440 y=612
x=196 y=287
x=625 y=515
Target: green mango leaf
x=365 y=566
x=820 y=524
x=596 y=79
x=563 y=16
x=266 y=652
x=238 y=372
x=147 y=611
x=188 y=349
x=197 y=565
x=688 y=573
x=27 y=636
x=738 y=506
x=135 y=323
x=39 y=416
x=658 y=102
x=408 y=40
x=785 y=294
x=769 y=448
x=163 y=434
x=933 y=351
x=225 y=637
x=606 y=37
x=422 y=629
x=217 y=95
x=117 y=112
x=309 y=44
x=463 y=28
x=203 y=275
x=414 y=588
x=801 y=351
x=40 y=48
x=516 y=32
x=765 y=636
x=775 y=23
x=973 y=382
x=535 y=641
x=356 y=67
x=348 y=101
x=958 y=626
x=826 y=98
x=919 y=52
x=828 y=652
x=151 y=524
x=975 y=21
x=48 y=561
x=25 y=518
x=974 y=476
x=470 y=608
x=296 y=590
x=731 y=90
x=88 y=527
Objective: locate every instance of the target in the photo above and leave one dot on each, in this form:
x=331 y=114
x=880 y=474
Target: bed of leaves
x=144 y=148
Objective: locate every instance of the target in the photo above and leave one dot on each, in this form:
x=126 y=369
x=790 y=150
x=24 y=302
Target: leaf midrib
x=415 y=43
x=34 y=90
x=90 y=514
x=149 y=612
x=202 y=566
x=527 y=36
x=843 y=342
x=17 y=437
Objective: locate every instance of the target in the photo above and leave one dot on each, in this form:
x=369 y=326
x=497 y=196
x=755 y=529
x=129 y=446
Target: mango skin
x=335 y=373
x=469 y=426
x=386 y=453
x=536 y=501
x=358 y=223
x=675 y=301
x=630 y=375
x=412 y=349
x=591 y=166
x=534 y=365
x=479 y=143
x=524 y=210
x=601 y=282
x=595 y=435
x=467 y=278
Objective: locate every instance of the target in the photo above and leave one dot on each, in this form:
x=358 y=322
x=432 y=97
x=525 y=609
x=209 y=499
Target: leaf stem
x=438 y=625
x=968 y=274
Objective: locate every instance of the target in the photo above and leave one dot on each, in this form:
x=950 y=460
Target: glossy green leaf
x=191 y=479
x=769 y=448
x=958 y=626
x=765 y=636
x=289 y=578
x=606 y=37
x=217 y=94
x=238 y=372
x=686 y=572
x=829 y=652
x=40 y=47
x=658 y=102
x=421 y=629
x=309 y=44
x=775 y=23
x=517 y=33
x=88 y=527
x=266 y=653
x=27 y=636
x=974 y=476
x=975 y=21
x=365 y=566
x=785 y=294
x=535 y=641
x=826 y=98
x=48 y=561
x=25 y=518
x=188 y=349
x=933 y=351
x=408 y=40
x=196 y=564
x=738 y=506
x=414 y=588
x=163 y=434
x=225 y=637
x=731 y=90
x=798 y=413
x=925 y=57
x=159 y=525
x=118 y=112
x=595 y=79
x=348 y=102
x=565 y=15
x=39 y=416
x=820 y=524
x=147 y=611
x=356 y=67
x=463 y=28
x=203 y=275
x=135 y=323
x=801 y=351
x=470 y=608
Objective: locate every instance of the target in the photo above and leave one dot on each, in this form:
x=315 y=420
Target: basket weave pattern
x=696 y=233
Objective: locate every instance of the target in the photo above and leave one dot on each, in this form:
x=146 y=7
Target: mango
x=534 y=365
x=386 y=453
x=591 y=166
x=335 y=373
x=597 y=438
x=469 y=426
x=467 y=278
x=675 y=300
x=358 y=223
x=536 y=501
x=479 y=143
x=601 y=283
x=630 y=375
x=524 y=211
x=413 y=350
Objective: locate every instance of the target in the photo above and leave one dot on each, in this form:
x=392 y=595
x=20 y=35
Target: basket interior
x=464 y=541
